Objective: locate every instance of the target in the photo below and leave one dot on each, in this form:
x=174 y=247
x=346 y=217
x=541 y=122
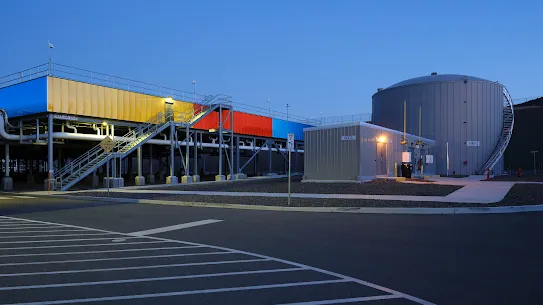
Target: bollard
x=488 y=174
x=519 y=172
x=395 y=169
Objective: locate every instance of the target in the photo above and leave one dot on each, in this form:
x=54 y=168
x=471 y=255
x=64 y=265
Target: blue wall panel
x=280 y=129
x=25 y=98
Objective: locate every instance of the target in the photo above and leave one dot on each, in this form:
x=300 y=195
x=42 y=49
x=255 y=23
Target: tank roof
x=436 y=78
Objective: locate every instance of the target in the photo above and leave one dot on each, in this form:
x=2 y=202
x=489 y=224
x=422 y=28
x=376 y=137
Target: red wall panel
x=244 y=123
x=251 y=124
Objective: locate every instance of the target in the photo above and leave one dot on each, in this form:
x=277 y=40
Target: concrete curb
x=351 y=210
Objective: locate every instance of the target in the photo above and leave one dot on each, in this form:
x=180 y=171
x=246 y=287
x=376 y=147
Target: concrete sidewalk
x=472 y=192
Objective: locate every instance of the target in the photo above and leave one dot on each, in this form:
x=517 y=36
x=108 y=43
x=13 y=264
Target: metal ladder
x=507 y=132
x=81 y=167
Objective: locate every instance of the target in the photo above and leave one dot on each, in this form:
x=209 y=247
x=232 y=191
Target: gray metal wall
x=452 y=111
x=327 y=157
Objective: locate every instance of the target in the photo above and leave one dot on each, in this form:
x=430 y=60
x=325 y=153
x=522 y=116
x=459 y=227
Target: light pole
x=534 y=152
x=288 y=106
x=194 y=83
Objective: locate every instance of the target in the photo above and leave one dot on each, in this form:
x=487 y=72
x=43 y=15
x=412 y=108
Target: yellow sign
x=107 y=144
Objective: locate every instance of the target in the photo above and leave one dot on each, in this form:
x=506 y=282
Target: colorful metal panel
x=281 y=128
x=77 y=98
x=252 y=124
x=25 y=98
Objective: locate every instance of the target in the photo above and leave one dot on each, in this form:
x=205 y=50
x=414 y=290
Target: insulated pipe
x=71 y=127
x=95 y=128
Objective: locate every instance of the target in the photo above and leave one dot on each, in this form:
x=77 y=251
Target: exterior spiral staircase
x=505 y=137
x=87 y=163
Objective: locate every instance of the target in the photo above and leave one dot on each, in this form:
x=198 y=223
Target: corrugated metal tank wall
x=452 y=111
x=71 y=97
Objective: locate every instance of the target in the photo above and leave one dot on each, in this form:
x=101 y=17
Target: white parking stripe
x=114 y=258
x=61 y=240
x=135 y=267
x=4 y=198
x=24 y=224
x=54 y=235
x=349 y=300
x=180 y=293
x=342 y=278
x=151 y=279
x=24 y=197
x=44 y=231
x=89 y=245
x=175 y=227
x=103 y=251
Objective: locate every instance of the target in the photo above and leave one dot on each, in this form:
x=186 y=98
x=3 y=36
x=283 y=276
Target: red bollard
x=488 y=174
x=519 y=172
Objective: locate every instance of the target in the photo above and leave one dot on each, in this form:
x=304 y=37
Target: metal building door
x=381 y=161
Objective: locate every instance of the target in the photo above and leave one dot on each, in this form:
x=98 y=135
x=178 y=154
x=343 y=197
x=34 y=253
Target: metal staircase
x=81 y=167
x=507 y=132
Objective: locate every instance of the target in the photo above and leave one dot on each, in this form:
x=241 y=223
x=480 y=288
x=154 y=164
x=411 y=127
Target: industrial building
x=361 y=151
x=471 y=119
x=525 y=151
x=54 y=117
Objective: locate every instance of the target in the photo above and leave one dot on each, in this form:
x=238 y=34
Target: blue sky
x=318 y=56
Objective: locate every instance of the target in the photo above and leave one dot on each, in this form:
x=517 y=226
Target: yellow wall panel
x=80 y=98
x=93 y=91
x=100 y=99
x=107 y=103
x=113 y=102
x=72 y=97
x=77 y=98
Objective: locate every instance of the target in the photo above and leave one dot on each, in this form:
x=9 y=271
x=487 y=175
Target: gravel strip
x=520 y=194
x=376 y=187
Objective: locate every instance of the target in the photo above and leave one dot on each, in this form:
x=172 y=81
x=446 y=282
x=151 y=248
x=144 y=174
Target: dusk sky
x=324 y=57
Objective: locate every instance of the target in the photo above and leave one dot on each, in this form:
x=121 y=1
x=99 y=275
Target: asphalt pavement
x=262 y=257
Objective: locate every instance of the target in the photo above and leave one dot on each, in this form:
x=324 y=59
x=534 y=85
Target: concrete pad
x=241 y=176
x=140 y=180
x=7 y=184
x=172 y=180
x=151 y=178
x=186 y=179
x=196 y=178
x=220 y=178
x=113 y=182
x=231 y=177
x=49 y=184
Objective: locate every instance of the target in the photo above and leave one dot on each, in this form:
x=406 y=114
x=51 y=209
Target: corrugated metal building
x=360 y=151
x=465 y=111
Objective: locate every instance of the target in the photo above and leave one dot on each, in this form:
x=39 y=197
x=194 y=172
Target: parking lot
x=60 y=251
x=50 y=263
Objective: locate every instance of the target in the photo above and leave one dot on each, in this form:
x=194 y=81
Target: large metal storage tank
x=465 y=111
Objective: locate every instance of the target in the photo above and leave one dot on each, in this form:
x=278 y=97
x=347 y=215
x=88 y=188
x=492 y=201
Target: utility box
x=358 y=151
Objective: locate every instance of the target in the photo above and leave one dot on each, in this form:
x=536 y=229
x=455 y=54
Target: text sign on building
x=348 y=138
x=65 y=117
x=474 y=143
x=290 y=141
x=107 y=144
